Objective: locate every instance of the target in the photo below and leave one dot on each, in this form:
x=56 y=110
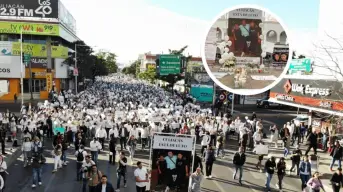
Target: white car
x=301 y=119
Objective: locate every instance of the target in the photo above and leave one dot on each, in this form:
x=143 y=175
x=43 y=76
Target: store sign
x=35 y=50
x=10 y=67
x=173 y=143
x=29 y=28
x=326 y=104
x=29 y=8
x=39 y=62
x=285 y=97
x=246 y=13
x=300 y=65
x=49 y=82
x=313 y=91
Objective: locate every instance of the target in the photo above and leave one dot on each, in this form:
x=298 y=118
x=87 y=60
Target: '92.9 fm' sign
x=29 y=8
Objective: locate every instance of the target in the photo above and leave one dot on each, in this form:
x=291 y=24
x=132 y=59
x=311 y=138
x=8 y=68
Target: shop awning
x=336 y=113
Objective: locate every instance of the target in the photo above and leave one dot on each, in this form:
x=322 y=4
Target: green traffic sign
x=27 y=58
x=170 y=64
x=300 y=65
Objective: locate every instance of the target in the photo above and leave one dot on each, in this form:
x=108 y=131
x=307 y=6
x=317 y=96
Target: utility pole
x=75 y=68
x=21 y=68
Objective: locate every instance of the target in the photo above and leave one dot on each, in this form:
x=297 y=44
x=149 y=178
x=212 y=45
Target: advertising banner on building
x=66 y=18
x=29 y=28
x=38 y=62
x=31 y=8
x=202 y=87
x=171 y=149
x=314 y=93
x=49 y=81
x=35 y=50
x=169 y=64
x=40 y=73
x=9 y=67
x=244 y=31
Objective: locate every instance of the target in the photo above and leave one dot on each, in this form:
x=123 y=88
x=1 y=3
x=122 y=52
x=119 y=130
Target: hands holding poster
x=261 y=149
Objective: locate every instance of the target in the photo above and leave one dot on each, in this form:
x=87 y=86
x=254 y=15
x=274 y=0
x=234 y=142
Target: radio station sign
x=29 y=8
x=314 y=93
x=29 y=28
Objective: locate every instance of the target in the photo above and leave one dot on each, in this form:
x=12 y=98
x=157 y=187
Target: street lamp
x=77 y=45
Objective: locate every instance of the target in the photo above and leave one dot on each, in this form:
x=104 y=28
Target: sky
x=132 y=27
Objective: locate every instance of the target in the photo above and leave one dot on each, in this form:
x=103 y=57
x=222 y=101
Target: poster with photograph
x=171 y=162
x=280 y=56
x=244 y=32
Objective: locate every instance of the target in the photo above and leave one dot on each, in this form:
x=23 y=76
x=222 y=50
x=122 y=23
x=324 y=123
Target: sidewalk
x=323 y=166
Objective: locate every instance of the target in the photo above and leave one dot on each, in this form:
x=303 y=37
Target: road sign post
x=169 y=64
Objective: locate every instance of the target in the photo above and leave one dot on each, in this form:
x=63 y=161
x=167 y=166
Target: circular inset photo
x=246 y=50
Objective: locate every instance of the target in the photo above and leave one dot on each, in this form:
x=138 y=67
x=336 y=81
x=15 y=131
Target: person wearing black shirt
x=162 y=168
x=253 y=116
x=112 y=146
x=182 y=170
x=296 y=157
x=121 y=171
x=49 y=130
x=239 y=160
x=312 y=142
x=336 y=154
x=197 y=163
x=269 y=166
x=337 y=180
x=281 y=171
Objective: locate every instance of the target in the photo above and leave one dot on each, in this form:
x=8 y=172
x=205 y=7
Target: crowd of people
x=121 y=111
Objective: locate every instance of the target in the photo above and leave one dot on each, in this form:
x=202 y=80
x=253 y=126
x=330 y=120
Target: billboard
x=300 y=66
x=244 y=32
x=202 y=87
x=10 y=67
x=29 y=28
x=171 y=148
x=35 y=50
x=31 y=8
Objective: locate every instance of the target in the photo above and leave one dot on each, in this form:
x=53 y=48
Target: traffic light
x=157 y=61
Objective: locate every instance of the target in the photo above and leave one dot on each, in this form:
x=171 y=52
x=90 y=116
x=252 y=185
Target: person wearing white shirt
x=114 y=132
x=95 y=147
x=142 y=177
x=102 y=135
x=3 y=168
x=86 y=166
x=108 y=125
x=144 y=136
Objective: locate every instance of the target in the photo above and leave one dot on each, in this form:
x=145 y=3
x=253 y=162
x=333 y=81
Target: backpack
x=80 y=156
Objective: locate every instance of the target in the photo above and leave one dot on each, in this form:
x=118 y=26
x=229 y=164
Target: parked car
x=264 y=103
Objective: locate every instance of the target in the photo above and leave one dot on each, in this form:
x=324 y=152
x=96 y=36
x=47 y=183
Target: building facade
x=47 y=37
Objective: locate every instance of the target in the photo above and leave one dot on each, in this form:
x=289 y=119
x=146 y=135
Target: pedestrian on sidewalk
x=27 y=151
x=131 y=144
x=312 y=142
x=337 y=180
x=286 y=141
x=141 y=177
x=95 y=147
x=104 y=186
x=274 y=136
x=94 y=178
x=281 y=172
x=239 y=159
x=336 y=154
x=86 y=167
x=305 y=171
x=325 y=139
x=57 y=153
x=269 y=166
x=209 y=160
x=315 y=184
x=206 y=139
x=112 y=147
x=36 y=170
x=296 y=157
x=80 y=155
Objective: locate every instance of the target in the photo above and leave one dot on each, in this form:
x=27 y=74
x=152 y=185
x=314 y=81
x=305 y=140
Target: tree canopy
x=110 y=60
x=88 y=65
x=149 y=75
x=131 y=69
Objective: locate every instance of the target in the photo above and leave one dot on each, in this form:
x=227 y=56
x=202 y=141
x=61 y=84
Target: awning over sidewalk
x=331 y=112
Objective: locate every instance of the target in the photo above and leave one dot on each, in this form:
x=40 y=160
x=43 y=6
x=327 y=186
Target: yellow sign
x=37 y=50
x=49 y=82
x=150 y=66
x=40 y=73
x=30 y=28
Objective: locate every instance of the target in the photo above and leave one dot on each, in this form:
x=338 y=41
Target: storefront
x=322 y=98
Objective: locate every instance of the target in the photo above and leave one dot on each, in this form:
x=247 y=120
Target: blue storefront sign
x=298 y=65
x=202 y=93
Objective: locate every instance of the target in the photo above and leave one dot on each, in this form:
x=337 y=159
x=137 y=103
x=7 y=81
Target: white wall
x=61 y=69
x=273 y=26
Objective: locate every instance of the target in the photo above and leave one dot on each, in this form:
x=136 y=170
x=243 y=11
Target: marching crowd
x=119 y=109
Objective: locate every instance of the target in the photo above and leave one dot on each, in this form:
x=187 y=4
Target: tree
x=131 y=69
x=148 y=75
x=110 y=60
x=171 y=78
x=88 y=65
